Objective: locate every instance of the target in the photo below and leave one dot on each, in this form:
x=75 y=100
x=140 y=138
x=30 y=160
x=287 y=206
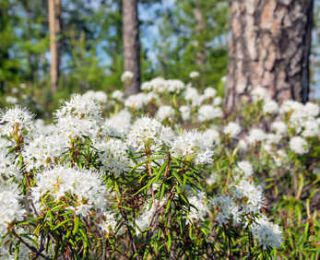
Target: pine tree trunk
x=131 y=44
x=199 y=30
x=270 y=48
x=54 y=28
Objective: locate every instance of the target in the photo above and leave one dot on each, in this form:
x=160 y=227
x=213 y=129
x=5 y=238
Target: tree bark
x=270 y=48
x=54 y=28
x=131 y=44
x=200 y=27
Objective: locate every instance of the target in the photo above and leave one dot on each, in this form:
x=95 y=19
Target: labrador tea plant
x=160 y=174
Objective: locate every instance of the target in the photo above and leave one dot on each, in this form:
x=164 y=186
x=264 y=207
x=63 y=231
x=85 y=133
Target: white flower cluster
x=127 y=76
x=192 y=146
x=252 y=194
x=148 y=134
x=15 y=121
x=232 y=129
x=85 y=187
x=139 y=101
x=267 y=233
x=228 y=210
x=10 y=207
x=43 y=150
x=160 y=86
x=199 y=207
x=7 y=169
x=114 y=156
x=245 y=168
x=118 y=125
x=80 y=116
x=81 y=107
x=208 y=113
x=299 y=145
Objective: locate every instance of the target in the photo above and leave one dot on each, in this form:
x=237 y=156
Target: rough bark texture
x=131 y=44
x=270 y=47
x=54 y=28
x=200 y=27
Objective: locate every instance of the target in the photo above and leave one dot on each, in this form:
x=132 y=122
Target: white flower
x=80 y=107
x=145 y=132
x=144 y=220
x=299 y=145
x=8 y=168
x=160 y=86
x=312 y=109
x=243 y=145
x=117 y=95
x=4 y=145
x=199 y=208
x=290 y=106
x=86 y=188
x=193 y=146
x=98 y=96
x=127 y=76
x=267 y=233
x=211 y=136
x=270 y=107
x=167 y=135
x=164 y=113
x=232 y=129
x=211 y=179
x=185 y=112
x=175 y=86
x=279 y=127
x=11 y=100
x=10 y=208
x=72 y=127
x=259 y=93
x=246 y=168
x=207 y=113
x=119 y=124
x=228 y=209
x=43 y=150
x=217 y=101
x=311 y=129
x=191 y=94
x=138 y=101
x=157 y=85
x=256 y=135
x=253 y=195
x=209 y=92
x=204 y=157
x=109 y=222
x=194 y=74
x=40 y=128
x=15 y=119
x=273 y=139
x=114 y=157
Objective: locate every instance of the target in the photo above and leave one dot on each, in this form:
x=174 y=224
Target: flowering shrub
x=160 y=174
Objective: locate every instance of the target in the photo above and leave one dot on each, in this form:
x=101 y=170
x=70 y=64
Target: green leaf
x=76 y=225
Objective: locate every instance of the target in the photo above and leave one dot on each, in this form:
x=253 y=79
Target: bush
x=161 y=174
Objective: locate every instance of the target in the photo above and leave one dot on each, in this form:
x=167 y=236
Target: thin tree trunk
x=131 y=44
x=270 y=48
x=199 y=30
x=54 y=28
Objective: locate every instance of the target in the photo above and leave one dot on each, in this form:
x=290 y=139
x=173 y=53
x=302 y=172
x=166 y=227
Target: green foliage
x=181 y=41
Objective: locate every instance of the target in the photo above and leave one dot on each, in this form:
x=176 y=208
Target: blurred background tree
x=193 y=37
x=177 y=37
